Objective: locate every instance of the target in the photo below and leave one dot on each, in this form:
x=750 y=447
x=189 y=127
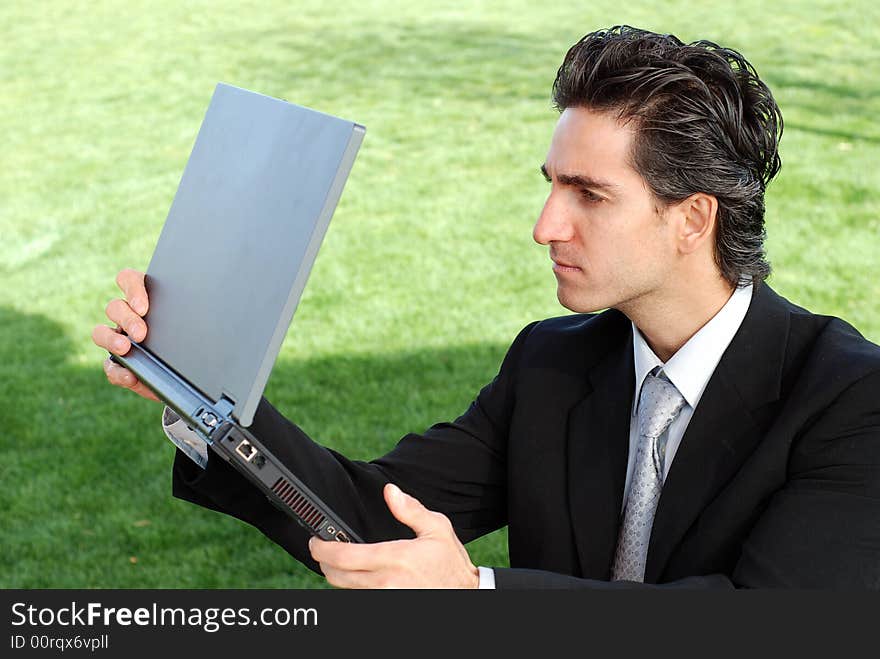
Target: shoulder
x=825 y=355
x=832 y=345
x=576 y=340
x=609 y=325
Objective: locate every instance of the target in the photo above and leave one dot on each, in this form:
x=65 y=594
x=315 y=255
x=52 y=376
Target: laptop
x=251 y=210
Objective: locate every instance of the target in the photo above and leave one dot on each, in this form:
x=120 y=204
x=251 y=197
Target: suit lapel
x=598 y=444
x=725 y=427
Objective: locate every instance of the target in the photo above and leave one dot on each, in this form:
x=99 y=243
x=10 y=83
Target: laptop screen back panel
x=251 y=210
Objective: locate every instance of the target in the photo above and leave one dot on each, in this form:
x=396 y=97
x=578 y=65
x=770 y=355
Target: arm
x=822 y=530
x=458 y=469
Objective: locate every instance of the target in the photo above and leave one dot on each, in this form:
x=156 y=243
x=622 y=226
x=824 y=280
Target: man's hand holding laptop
x=128 y=315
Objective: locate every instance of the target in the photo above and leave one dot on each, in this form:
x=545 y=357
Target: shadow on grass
x=86 y=468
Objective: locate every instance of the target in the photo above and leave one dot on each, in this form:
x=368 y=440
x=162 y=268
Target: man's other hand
x=435 y=558
x=128 y=315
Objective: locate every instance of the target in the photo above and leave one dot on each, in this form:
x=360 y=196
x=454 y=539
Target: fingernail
x=396 y=492
x=120 y=344
x=139 y=305
x=311 y=542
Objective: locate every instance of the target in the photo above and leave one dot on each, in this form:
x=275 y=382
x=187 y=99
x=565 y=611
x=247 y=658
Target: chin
x=580 y=303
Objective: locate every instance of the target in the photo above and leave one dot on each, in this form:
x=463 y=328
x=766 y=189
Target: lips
x=563 y=266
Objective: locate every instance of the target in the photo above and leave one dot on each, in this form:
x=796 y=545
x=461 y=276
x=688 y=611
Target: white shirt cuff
x=487 y=578
x=185 y=438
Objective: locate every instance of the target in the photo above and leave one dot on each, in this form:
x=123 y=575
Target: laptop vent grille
x=297 y=502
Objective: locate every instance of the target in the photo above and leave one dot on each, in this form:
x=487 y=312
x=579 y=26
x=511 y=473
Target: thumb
x=410 y=511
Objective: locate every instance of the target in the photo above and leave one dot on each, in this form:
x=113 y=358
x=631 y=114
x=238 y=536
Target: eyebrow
x=580 y=181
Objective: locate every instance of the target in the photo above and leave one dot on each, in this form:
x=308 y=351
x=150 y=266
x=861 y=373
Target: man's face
x=609 y=244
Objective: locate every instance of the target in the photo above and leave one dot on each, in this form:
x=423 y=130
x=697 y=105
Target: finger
x=122 y=377
x=110 y=340
x=119 y=375
x=410 y=511
x=350 y=556
x=144 y=391
x=131 y=282
x=120 y=313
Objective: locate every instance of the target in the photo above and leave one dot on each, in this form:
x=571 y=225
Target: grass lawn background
x=428 y=269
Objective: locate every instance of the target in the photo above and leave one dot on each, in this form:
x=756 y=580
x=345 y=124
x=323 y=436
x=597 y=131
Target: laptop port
x=341 y=537
x=246 y=450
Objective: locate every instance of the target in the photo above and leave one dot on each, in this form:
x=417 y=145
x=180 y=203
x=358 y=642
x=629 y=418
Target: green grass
x=428 y=269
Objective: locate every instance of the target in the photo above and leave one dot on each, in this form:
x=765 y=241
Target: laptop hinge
x=225 y=406
x=211 y=418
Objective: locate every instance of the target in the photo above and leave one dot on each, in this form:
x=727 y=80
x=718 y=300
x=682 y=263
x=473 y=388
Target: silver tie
x=659 y=403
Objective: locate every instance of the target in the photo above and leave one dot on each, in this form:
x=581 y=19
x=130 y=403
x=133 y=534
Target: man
x=701 y=432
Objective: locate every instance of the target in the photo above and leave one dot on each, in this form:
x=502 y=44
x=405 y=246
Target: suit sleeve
x=456 y=468
x=822 y=530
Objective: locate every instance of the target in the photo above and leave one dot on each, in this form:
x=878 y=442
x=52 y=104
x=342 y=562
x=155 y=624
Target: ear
x=698 y=214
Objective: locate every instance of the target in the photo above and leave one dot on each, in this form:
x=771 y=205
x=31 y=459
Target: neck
x=669 y=317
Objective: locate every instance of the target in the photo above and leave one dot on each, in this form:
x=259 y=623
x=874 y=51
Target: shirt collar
x=690 y=368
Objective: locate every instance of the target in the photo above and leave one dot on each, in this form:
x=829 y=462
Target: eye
x=590 y=196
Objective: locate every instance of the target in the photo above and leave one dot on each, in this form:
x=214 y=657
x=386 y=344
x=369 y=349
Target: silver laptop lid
x=251 y=210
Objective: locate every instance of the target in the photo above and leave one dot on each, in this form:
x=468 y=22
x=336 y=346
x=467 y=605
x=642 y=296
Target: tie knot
x=659 y=403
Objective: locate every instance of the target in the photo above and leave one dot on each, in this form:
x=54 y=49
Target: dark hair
x=704 y=122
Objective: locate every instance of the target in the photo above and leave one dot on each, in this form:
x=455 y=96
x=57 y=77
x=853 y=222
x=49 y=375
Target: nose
x=553 y=224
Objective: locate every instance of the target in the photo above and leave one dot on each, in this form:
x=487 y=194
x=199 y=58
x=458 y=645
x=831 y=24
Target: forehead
x=591 y=143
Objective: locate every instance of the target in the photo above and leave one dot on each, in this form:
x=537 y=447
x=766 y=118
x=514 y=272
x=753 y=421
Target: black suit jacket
x=776 y=482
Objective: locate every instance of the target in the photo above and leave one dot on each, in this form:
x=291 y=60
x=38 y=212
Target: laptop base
x=235 y=444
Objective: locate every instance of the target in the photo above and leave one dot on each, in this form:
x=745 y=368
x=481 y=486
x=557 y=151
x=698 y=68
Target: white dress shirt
x=689 y=370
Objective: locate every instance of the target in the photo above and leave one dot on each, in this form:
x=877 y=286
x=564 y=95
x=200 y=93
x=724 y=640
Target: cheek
x=654 y=249
x=631 y=248
x=609 y=246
